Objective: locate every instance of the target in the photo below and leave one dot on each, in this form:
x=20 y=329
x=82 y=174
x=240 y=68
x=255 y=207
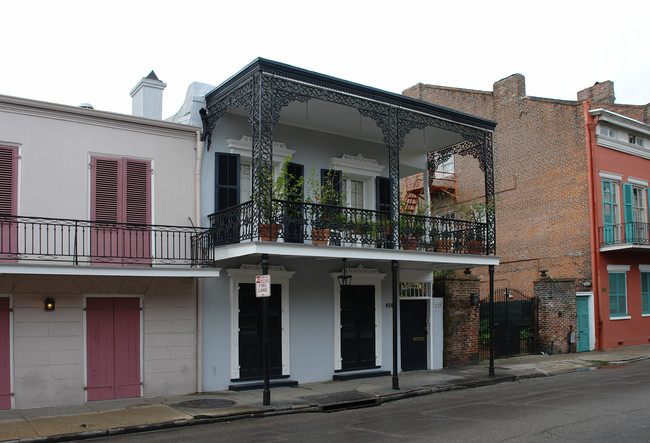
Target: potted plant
x=325 y=213
x=284 y=185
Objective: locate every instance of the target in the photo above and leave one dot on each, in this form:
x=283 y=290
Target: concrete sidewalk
x=114 y=417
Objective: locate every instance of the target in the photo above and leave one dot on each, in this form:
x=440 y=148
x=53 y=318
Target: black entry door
x=413 y=334
x=250 y=332
x=357 y=327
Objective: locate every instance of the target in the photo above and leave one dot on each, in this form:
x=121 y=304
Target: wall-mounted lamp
x=49 y=304
x=543 y=273
x=468 y=271
x=475 y=300
x=344 y=279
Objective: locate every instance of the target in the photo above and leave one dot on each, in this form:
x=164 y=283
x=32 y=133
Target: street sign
x=263 y=286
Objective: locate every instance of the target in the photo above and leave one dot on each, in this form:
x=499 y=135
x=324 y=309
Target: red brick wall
x=556 y=314
x=461 y=321
x=540 y=176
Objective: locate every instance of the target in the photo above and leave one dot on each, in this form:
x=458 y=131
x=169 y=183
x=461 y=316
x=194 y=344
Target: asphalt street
x=606 y=404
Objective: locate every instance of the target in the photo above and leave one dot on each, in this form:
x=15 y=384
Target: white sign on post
x=263 y=286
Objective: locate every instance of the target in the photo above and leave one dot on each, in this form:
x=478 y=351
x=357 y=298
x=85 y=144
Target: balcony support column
x=395 y=276
x=488 y=170
x=261 y=120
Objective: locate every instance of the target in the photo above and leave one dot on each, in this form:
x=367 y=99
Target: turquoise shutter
x=608 y=216
x=628 y=213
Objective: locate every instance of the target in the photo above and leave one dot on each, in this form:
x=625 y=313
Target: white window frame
x=360 y=168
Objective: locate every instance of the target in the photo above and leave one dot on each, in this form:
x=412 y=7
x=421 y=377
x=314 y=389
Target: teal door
x=583 y=324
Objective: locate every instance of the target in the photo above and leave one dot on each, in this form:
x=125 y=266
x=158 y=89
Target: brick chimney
x=147 y=97
x=513 y=86
x=599 y=93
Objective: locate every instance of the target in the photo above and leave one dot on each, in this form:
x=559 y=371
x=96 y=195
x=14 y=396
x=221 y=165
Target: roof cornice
x=270 y=67
x=621 y=121
x=42 y=109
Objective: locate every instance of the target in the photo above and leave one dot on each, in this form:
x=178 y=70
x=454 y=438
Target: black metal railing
x=631 y=233
x=310 y=223
x=98 y=243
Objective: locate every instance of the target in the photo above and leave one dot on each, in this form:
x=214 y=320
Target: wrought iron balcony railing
x=632 y=233
x=309 y=223
x=83 y=242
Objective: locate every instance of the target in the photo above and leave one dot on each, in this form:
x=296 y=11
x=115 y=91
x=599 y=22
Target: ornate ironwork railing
x=83 y=242
x=632 y=233
x=309 y=223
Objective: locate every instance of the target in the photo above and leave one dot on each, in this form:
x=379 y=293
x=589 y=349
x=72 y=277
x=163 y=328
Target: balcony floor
x=41 y=268
x=429 y=260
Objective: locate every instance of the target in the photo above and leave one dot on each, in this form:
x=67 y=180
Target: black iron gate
x=515 y=315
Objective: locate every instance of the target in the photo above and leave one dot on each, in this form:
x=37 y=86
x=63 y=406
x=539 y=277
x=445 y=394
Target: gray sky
x=90 y=51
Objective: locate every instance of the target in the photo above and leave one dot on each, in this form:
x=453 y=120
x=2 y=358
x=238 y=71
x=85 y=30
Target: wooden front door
x=413 y=334
x=358 y=327
x=250 y=332
x=113 y=348
x=583 y=324
x=5 y=362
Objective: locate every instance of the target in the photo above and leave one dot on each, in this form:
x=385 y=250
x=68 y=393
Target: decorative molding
x=644 y=268
x=610 y=176
x=621 y=121
x=637 y=181
x=618 y=268
x=618 y=145
x=244 y=147
x=251 y=270
x=357 y=165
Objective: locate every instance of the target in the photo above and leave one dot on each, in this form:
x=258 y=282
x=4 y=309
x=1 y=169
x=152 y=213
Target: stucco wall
x=311 y=323
x=56 y=145
x=48 y=347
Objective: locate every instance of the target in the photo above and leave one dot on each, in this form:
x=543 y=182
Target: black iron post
x=266 y=399
x=395 y=268
x=491 y=270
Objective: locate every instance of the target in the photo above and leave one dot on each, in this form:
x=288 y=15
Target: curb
x=377 y=400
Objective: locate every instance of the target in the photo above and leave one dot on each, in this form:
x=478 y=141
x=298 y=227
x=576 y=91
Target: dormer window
x=609 y=132
x=633 y=139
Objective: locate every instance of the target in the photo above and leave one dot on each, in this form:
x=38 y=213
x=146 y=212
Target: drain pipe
x=199 y=305
x=590 y=131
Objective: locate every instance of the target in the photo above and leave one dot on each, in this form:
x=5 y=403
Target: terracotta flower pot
x=270 y=231
x=320 y=236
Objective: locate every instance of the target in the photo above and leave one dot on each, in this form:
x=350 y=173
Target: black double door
x=357 y=327
x=413 y=334
x=250 y=332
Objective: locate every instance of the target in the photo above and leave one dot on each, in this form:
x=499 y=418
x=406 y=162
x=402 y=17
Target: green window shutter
x=617 y=298
x=645 y=292
x=628 y=213
x=608 y=215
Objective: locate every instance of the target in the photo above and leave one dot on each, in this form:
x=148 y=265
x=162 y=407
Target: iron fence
x=101 y=243
x=310 y=223
x=625 y=233
x=515 y=320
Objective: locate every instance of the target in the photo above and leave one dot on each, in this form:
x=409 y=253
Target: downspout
x=590 y=131
x=199 y=305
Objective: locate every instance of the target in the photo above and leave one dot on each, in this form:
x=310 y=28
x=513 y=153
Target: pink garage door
x=5 y=366
x=113 y=347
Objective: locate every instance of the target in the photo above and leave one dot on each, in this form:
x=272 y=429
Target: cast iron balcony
x=316 y=224
x=83 y=242
x=625 y=234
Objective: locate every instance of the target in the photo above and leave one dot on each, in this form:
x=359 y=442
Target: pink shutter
x=5 y=367
x=137 y=210
x=8 y=202
x=100 y=349
x=127 y=347
x=106 y=206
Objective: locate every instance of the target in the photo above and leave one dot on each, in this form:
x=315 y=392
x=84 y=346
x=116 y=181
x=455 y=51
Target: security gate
x=515 y=314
